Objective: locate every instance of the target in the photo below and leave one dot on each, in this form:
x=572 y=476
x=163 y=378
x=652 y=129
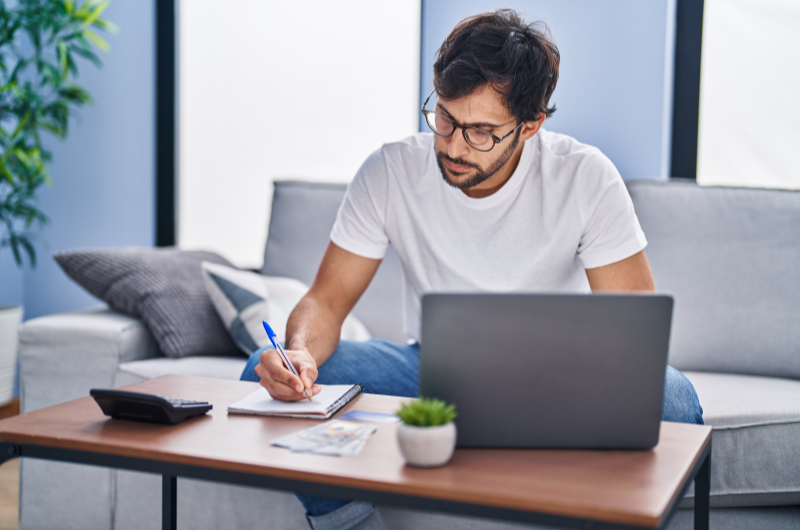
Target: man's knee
x=249 y=372
x=382 y=367
x=681 y=404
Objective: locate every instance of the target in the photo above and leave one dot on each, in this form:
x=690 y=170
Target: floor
x=9 y=481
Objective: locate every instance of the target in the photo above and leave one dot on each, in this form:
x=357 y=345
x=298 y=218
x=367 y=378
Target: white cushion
x=243 y=299
x=205 y=366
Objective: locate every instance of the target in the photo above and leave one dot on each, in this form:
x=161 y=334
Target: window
x=749 y=104
x=280 y=90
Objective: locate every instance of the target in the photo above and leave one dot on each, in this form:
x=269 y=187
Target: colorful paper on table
x=374 y=417
x=332 y=438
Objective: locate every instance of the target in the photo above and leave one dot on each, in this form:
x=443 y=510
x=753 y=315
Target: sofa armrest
x=65 y=355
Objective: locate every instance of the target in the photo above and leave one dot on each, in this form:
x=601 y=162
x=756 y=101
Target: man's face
x=464 y=167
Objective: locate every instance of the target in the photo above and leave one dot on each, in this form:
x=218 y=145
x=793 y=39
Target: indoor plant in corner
x=427 y=434
x=39 y=42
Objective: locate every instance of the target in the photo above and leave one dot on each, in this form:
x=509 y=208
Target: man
x=489 y=202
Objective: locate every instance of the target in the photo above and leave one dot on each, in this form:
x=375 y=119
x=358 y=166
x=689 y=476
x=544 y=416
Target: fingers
x=278 y=371
x=277 y=390
x=280 y=382
x=308 y=373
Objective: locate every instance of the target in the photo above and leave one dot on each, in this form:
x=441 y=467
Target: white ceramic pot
x=427 y=446
x=10 y=317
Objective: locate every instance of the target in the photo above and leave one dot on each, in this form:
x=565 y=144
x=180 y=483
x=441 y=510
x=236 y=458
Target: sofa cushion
x=205 y=366
x=163 y=287
x=244 y=299
x=756 y=440
x=300 y=226
x=730 y=257
x=64 y=355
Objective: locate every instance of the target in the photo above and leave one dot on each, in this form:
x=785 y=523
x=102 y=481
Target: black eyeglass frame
x=495 y=139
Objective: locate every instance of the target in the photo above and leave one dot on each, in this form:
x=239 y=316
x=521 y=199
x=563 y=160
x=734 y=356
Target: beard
x=481 y=174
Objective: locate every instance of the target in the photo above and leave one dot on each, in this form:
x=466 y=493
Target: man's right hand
x=283 y=384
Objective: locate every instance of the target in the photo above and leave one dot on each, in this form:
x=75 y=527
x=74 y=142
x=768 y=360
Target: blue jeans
x=393 y=369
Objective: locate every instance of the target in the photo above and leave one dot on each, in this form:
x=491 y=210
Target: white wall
x=749 y=131
x=273 y=90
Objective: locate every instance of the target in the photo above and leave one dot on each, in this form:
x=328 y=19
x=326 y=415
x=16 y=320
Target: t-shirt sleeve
x=611 y=230
x=360 y=223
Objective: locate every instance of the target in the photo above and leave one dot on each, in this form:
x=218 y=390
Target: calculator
x=122 y=405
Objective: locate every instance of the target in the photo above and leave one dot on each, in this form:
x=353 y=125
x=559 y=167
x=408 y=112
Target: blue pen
x=290 y=366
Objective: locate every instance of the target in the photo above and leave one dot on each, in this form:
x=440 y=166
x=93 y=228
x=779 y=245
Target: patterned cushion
x=161 y=286
x=243 y=299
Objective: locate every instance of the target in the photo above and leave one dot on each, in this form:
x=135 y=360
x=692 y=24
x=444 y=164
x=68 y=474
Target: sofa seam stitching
x=761 y=424
x=750 y=492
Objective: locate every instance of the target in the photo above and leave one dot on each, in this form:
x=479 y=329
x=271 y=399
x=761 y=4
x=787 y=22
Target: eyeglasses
x=478 y=139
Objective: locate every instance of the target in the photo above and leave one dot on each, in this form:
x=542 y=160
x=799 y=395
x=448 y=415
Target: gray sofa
x=729 y=256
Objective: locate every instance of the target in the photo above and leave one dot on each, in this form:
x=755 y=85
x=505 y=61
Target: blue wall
x=615 y=84
x=103 y=173
x=11 y=287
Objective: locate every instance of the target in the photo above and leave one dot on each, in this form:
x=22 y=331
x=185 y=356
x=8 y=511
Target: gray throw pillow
x=161 y=286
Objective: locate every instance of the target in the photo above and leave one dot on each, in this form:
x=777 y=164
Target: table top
x=626 y=487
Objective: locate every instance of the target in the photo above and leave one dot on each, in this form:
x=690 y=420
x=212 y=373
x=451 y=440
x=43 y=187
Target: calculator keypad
x=184 y=403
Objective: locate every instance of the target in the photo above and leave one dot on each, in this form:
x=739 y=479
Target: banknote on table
x=334 y=438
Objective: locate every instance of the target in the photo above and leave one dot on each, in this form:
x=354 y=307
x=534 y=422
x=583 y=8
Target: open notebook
x=325 y=404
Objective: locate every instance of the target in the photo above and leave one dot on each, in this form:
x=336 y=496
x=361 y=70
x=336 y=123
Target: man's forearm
x=313 y=327
x=315 y=324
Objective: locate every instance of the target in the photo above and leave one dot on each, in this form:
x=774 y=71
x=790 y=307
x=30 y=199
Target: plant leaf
x=26 y=244
x=20 y=125
x=63 y=57
x=106 y=25
x=5 y=173
x=426 y=412
x=13 y=239
x=95 y=13
x=22 y=156
x=95 y=38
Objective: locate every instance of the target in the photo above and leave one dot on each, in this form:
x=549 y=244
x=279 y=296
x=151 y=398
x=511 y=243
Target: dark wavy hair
x=499 y=49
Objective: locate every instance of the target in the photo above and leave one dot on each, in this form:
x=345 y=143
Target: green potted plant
x=40 y=41
x=427 y=434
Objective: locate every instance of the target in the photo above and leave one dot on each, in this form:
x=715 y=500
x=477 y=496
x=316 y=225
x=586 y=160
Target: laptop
x=548 y=370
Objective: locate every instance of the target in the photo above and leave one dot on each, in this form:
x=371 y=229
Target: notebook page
x=260 y=401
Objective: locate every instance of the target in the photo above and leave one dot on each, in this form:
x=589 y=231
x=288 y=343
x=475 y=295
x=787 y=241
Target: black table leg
x=702 y=491
x=8 y=451
x=169 y=502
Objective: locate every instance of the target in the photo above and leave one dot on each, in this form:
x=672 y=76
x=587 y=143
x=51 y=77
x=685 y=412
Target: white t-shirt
x=565 y=209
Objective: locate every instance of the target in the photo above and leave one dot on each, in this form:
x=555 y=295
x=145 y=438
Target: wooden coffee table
x=567 y=488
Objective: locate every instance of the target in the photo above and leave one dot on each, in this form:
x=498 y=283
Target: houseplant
x=40 y=41
x=427 y=434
